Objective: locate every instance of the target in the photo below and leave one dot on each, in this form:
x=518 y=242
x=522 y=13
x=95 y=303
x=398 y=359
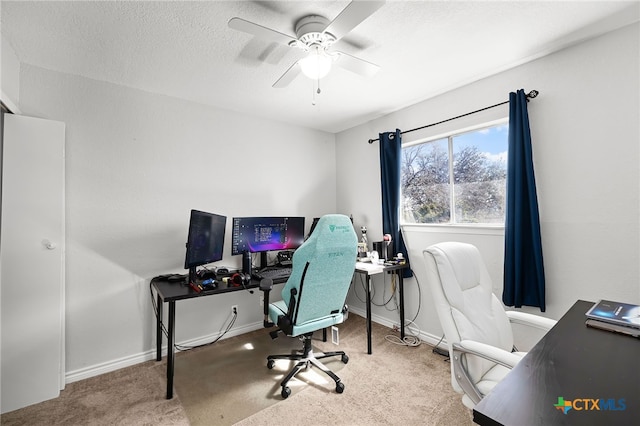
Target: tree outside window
x=457 y=179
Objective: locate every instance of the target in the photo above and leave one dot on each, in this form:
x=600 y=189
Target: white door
x=32 y=261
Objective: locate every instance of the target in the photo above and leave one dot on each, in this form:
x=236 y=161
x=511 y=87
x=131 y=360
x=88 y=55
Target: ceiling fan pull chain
x=316 y=90
x=313 y=94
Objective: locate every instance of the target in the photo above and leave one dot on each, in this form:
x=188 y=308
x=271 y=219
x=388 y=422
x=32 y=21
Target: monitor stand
x=192 y=275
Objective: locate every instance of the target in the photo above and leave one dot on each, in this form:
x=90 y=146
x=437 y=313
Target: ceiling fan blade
x=288 y=76
x=351 y=16
x=260 y=31
x=356 y=65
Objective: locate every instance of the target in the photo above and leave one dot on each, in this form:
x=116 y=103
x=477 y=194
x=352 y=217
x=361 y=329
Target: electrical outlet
x=234 y=310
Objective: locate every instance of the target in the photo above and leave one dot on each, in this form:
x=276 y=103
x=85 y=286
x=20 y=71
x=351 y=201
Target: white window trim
x=455 y=228
x=457 y=132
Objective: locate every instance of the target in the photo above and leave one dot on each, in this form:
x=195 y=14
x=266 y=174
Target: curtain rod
x=532 y=94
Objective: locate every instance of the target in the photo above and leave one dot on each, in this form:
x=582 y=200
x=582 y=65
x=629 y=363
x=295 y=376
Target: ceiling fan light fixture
x=317 y=64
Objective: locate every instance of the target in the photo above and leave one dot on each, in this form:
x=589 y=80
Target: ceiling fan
x=315 y=35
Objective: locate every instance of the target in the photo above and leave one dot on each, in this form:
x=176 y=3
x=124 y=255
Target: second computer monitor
x=205 y=240
x=262 y=234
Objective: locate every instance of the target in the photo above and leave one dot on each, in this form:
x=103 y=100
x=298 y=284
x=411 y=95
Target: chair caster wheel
x=270 y=364
x=345 y=358
x=339 y=387
x=285 y=392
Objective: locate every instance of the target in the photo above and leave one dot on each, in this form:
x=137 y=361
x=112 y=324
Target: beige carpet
x=229 y=381
x=396 y=385
x=130 y=396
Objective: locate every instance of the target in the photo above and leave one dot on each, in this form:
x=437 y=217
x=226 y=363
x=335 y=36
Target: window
x=460 y=178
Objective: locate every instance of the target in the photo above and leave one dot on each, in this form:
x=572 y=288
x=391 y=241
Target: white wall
x=136 y=164
x=10 y=96
x=9 y=77
x=585 y=131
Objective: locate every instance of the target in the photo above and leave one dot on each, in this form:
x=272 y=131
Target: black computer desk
x=170 y=293
x=578 y=364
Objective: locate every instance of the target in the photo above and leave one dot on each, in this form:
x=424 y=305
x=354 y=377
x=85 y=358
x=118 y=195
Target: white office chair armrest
x=491 y=353
x=531 y=320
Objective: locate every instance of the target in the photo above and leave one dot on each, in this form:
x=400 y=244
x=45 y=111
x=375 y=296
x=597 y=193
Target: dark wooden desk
x=575 y=363
x=170 y=293
x=367 y=269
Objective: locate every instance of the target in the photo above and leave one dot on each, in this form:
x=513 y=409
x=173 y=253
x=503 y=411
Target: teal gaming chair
x=314 y=296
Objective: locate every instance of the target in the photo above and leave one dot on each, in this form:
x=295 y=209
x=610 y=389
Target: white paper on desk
x=370 y=268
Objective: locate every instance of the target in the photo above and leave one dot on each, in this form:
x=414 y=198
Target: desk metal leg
x=159 y=329
x=368 y=314
x=399 y=273
x=170 y=349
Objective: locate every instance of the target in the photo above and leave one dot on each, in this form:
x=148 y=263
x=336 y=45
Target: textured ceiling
x=186 y=50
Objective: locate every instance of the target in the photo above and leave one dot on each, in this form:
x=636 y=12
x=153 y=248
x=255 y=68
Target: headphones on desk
x=240 y=279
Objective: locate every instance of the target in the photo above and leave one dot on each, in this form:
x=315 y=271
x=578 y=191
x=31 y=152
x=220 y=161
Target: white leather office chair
x=475 y=324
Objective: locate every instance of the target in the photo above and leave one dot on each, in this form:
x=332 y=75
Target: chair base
x=306 y=359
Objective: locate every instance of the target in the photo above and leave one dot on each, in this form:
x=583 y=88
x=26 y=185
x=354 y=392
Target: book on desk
x=613 y=316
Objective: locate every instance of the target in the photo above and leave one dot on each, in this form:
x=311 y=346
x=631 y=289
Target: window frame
x=449 y=135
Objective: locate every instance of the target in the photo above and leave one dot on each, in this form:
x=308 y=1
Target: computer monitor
x=263 y=234
x=313 y=225
x=205 y=240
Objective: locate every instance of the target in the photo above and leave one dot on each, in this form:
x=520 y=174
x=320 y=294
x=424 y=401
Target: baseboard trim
x=128 y=361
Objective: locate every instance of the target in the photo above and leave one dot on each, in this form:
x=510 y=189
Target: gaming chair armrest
x=530 y=320
x=266 y=284
x=285 y=322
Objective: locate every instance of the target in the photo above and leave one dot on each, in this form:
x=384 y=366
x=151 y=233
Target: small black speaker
x=246 y=262
x=384 y=249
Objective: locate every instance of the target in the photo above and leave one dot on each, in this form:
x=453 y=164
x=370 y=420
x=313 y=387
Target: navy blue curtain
x=390 y=168
x=523 y=264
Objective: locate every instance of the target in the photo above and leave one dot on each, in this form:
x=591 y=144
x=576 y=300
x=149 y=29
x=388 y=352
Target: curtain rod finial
x=532 y=94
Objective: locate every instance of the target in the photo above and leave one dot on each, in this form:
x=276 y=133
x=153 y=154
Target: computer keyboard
x=277 y=274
